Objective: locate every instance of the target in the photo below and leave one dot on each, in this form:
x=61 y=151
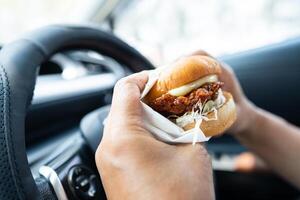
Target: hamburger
x=190 y=94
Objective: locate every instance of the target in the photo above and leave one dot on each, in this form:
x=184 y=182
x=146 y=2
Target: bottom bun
x=226 y=117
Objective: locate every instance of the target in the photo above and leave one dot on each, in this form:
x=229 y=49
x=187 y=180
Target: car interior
x=56 y=90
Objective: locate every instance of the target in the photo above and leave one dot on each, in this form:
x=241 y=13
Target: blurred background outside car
x=164 y=30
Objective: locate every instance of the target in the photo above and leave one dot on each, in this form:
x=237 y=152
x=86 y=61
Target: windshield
x=164 y=30
x=18 y=16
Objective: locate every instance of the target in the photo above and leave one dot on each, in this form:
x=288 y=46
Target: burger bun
x=226 y=116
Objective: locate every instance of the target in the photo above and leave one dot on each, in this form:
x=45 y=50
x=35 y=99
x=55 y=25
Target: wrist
x=248 y=116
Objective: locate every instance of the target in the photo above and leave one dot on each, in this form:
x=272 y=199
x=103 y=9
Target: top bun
x=183 y=71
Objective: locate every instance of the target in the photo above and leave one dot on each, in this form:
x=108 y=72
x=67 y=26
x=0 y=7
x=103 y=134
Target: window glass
x=163 y=30
x=18 y=16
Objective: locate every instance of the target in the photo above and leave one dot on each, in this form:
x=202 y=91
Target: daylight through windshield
x=17 y=17
x=164 y=30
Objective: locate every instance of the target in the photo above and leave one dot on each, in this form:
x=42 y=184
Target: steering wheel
x=19 y=62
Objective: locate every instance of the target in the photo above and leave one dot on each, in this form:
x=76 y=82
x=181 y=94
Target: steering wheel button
x=77 y=171
x=84 y=182
x=84 y=185
x=92 y=192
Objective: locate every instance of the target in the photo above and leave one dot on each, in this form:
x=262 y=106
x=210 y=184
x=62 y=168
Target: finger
x=126 y=97
x=138 y=79
x=231 y=82
x=129 y=89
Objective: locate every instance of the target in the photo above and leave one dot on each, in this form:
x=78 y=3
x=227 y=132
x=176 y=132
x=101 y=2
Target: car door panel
x=270 y=77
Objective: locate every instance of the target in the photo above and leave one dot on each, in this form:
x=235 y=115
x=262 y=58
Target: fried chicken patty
x=173 y=105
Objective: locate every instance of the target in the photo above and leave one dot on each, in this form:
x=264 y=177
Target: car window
x=17 y=16
x=163 y=30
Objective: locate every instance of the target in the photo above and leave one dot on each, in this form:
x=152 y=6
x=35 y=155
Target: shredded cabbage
x=200 y=112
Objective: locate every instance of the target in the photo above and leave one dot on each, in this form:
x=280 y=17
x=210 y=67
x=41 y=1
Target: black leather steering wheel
x=19 y=63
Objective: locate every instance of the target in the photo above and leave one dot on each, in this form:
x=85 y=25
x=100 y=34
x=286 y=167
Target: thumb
x=126 y=97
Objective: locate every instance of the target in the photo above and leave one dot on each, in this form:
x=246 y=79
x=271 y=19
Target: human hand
x=134 y=165
x=246 y=110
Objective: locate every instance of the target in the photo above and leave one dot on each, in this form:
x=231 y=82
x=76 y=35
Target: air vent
x=95 y=68
x=75 y=74
x=95 y=63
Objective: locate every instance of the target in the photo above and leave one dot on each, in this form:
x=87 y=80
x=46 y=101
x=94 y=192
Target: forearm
x=276 y=141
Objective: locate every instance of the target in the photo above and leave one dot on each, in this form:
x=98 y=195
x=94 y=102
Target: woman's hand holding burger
x=189 y=93
x=134 y=165
x=246 y=110
x=270 y=137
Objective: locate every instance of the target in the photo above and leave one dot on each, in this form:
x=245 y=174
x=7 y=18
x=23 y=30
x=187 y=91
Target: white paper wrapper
x=164 y=129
